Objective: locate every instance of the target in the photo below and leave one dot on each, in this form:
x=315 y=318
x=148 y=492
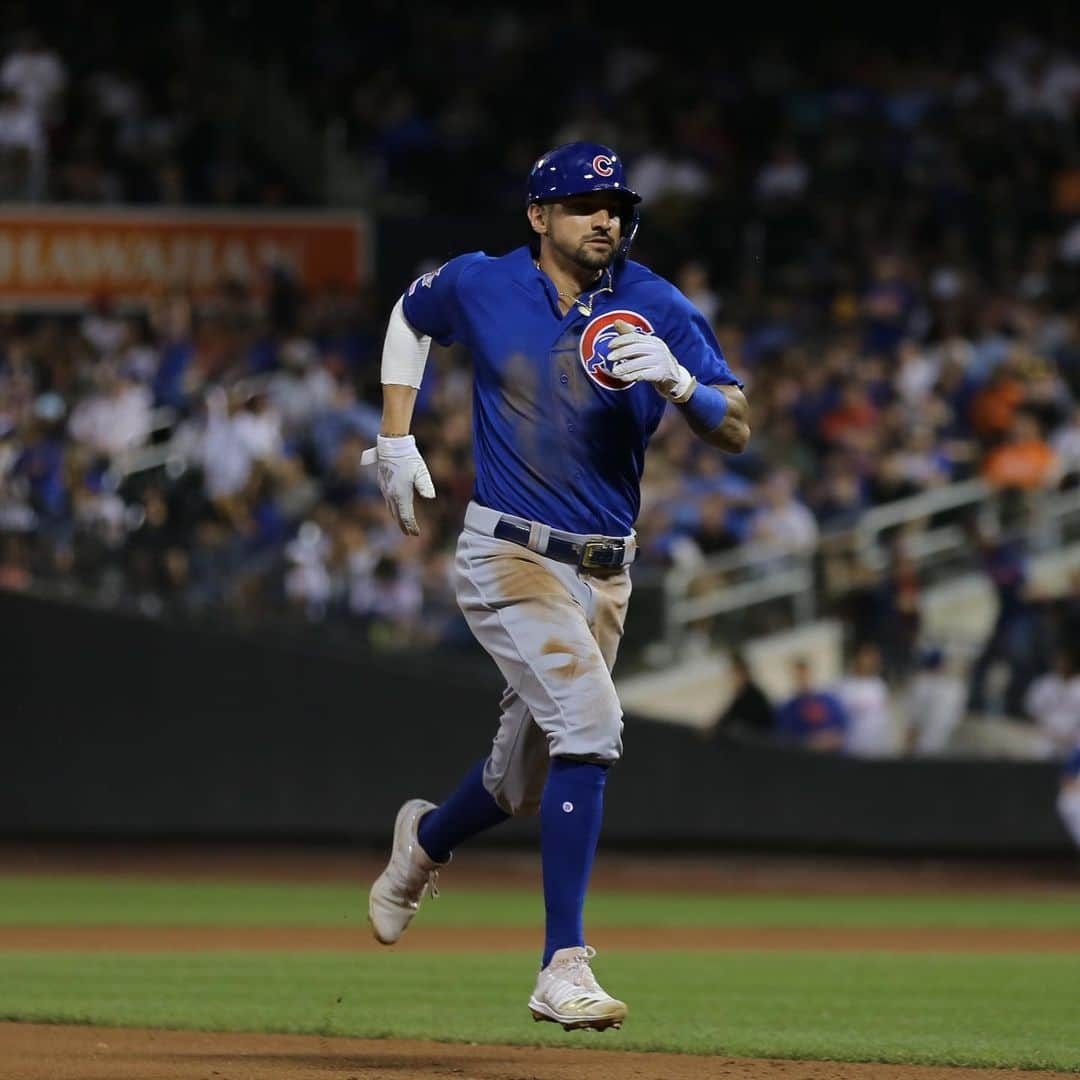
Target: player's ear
x=537 y=213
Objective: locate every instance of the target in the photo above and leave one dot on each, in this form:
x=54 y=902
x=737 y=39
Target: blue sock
x=469 y=810
x=571 y=811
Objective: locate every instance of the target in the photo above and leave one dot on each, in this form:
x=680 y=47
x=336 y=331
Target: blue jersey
x=1071 y=767
x=556 y=438
x=809 y=714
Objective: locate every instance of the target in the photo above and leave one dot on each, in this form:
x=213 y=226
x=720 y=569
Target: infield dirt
x=41 y=1052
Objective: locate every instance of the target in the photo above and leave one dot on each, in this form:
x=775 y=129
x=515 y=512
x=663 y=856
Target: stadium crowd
x=886 y=241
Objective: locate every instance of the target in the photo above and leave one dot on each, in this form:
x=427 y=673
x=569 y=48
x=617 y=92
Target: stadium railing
x=776 y=589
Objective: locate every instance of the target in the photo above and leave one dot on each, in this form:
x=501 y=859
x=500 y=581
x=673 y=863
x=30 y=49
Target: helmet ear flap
x=630 y=229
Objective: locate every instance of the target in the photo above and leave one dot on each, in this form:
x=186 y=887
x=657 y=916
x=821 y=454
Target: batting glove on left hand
x=638 y=357
x=401 y=470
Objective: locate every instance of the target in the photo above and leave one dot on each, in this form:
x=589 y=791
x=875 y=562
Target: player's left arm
x=732 y=433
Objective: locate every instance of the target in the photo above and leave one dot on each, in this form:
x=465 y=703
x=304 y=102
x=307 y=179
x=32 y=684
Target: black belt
x=607 y=553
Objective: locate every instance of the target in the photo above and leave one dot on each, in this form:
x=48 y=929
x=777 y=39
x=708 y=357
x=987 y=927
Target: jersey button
x=564 y=378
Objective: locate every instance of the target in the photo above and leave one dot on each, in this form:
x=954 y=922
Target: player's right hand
x=401 y=470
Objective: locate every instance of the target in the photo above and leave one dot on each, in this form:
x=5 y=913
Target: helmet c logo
x=596 y=340
x=602 y=165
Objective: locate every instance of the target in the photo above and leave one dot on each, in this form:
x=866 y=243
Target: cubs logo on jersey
x=595 y=341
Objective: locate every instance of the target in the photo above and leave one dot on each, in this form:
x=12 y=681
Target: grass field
x=89 y=901
x=1020 y=1010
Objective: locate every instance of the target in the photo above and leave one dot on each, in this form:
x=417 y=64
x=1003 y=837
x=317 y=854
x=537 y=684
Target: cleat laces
x=413 y=884
x=575 y=970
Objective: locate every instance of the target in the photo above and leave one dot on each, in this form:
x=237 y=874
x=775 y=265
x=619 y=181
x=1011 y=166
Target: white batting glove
x=401 y=470
x=638 y=357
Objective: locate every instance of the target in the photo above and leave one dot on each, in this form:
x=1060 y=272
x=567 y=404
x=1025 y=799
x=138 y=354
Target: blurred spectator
x=36 y=74
x=881 y=602
x=1024 y=460
x=342 y=418
x=782 y=522
x=852 y=423
x=994 y=404
x=694 y=280
x=749 y=714
x=22 y=149
x=899 y=612
x=1065 y=446
x=308 y=583
x=935 y=702
x=664 y=174
x=864 y=695
x=39 y=466
x=1068 y=797
x=916 y=374
x=1042 y=83
x=102 y=326
x=1064 y=610
x=115 y=417
x=1067 y=356
x=1014 y=640
x=1052 y=702
x=14 y=563
x=888 y=303
x=714 y=531
x=222 y=449
x=814 y=719
x=157 y=562
x=839 y=495
x=784 y=178
x=301 y=388
x=389 y=599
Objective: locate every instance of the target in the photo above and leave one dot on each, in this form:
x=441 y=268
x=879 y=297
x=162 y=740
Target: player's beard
x=592 y=256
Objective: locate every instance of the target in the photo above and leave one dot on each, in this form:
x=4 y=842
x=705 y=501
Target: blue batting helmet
x=580 y=167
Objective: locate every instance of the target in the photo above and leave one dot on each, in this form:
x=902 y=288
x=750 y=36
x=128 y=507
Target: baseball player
x=577 y=352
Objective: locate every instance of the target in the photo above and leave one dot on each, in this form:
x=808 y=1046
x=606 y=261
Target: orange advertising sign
x=63 y=257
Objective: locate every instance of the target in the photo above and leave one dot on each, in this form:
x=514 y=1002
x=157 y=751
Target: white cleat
x=567 y=993
x=398 y=890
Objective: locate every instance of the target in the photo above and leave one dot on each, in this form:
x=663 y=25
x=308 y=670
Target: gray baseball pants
x=554 y=631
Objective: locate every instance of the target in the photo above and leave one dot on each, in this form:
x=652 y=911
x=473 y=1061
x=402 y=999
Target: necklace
x=584 y=306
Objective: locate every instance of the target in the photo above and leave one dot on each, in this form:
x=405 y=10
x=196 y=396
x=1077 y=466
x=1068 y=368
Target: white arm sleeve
x=405 y=351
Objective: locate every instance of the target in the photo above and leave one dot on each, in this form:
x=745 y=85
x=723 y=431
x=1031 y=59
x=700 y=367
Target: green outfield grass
x=79 y=901
x=1017 y=1010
